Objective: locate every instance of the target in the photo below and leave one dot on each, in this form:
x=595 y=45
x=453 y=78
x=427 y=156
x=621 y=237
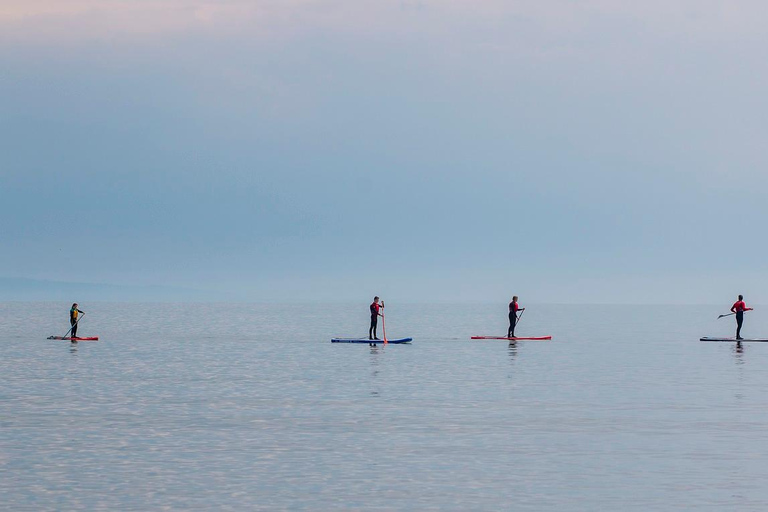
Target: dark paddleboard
x=365 y=340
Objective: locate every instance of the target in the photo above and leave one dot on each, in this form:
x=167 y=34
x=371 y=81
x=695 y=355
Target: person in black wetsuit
x=375 y=314
x=739 y=307
x=73 y=313
x=513 y=309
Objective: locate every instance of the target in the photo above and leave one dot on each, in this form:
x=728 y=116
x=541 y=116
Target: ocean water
x=250 y=407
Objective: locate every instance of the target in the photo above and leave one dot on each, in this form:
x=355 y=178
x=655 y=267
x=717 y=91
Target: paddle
x=383 y=323
x=729 y=314
x=75 y=324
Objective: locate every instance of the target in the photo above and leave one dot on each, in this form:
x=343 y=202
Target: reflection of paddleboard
x=706 y=338
x=89 y=338
x=365 y=340
x=517 y=338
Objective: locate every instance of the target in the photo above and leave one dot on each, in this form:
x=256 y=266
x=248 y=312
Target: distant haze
x=596 y=151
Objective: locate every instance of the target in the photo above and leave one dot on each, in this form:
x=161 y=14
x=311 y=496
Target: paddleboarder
x=739 y=307
x=514 y=307
x=73 y=314
x=375 y=314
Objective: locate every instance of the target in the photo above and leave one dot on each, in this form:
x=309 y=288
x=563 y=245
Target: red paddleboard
x=706 y=338
x=89 y=338
x=531 y=338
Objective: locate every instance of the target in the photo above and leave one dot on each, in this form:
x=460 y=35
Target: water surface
x=243 y=406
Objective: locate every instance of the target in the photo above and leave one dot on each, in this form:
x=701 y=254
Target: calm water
x=249 y=407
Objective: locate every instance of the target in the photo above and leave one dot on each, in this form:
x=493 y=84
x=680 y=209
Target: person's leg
x=74 y=329
x=512 y=320
x=370 y=330
x=739 y=322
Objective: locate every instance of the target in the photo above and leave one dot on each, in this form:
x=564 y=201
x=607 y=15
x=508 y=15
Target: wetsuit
x=374 y=321
x=73 y=320
x=513 y=309
x=739 y=307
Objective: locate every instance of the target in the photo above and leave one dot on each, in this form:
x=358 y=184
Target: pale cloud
x=43 y=20
x=83 y=19
x=15 y=10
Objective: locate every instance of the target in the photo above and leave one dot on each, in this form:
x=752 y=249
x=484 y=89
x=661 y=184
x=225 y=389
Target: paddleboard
x=518 y=338
x=706 y=338
x=365 y=340
x=88 y=338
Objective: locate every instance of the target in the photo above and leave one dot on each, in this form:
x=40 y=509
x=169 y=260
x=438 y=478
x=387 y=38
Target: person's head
x=741 y=297
x=376 y=299
x=74 y=305
x=514 y=299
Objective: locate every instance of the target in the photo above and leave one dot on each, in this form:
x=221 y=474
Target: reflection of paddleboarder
x=513 y=309
x=73 y=319
x=739 y=308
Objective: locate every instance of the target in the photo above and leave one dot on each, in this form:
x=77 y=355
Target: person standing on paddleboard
x=514 y=307
x=739 y=307
x=375 y=314
x=73 y=314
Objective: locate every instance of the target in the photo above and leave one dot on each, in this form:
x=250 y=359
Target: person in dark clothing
x=375 y=314
x=514 y=307
x=739 y=307
x=73 y=318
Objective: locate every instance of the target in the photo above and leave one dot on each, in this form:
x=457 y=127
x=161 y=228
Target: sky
x=454 y=150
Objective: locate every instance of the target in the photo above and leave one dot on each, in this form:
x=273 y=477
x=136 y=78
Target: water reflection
x=512 y=351
x=374 y=351
x=738 y=353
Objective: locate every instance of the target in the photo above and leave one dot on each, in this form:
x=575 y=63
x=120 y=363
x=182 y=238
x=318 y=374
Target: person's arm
x=748 y=309
x=733 y=308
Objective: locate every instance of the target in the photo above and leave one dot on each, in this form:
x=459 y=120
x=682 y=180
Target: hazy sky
x=592 y=151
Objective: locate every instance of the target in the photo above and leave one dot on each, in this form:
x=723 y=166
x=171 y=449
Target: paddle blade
x=383 y=323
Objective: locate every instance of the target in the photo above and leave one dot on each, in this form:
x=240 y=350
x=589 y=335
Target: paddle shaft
x=729 y=314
